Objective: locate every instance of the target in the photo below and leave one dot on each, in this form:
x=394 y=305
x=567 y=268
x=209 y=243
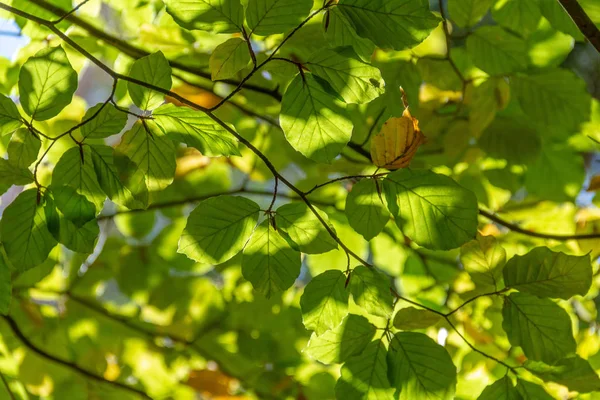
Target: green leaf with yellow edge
x=353 y=79
x=345 y=340
x=314 y=121
x=10 y=119
x=304 y=229
x=324 y=302
x=47 y=83
x=153 y=69
x=104 y=120
x=218 y=229
x=545 y=273
x=365 y=209
x=539 y=326
x=370 y=290
x=573 y=372
x=267 y=17
x=365 y=376
x=218 y=16
x=431 y=209
x=390 y=24
x=229 y=58
x=484 y=259
x=419 y=368
x=196 y=129
x=411 y=318
x=25 y=235
x=269 y=262
x=23 y=148
x=502 y=389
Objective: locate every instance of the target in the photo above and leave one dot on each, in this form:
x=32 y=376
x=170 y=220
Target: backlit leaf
x=218 y=229
x=155 y=70
x=324 y=302
x=47 y=83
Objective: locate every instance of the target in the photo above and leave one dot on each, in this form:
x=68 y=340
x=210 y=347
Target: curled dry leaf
x=395 y=146
x=594 y=184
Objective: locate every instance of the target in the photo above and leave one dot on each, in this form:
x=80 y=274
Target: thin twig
x=57 y=21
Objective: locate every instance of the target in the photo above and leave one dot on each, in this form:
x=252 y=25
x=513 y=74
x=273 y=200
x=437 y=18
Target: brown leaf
x=395 y=146
x=594 y=184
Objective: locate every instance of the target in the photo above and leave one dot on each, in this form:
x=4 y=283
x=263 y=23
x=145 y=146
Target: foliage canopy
x=298 y=199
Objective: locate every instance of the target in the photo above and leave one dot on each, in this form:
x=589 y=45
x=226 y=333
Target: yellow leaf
x=395 y=146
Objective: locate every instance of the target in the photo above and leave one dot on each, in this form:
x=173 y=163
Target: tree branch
x=31 y=346
x=518 y=229
x=583 y=22
x=137 y=52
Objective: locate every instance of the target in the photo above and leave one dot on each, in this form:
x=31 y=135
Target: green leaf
x=496 y=51
x=419 y=368
x=153 y=69
x=539 y=326
x=342 y=342
x=371 y=291
x=229 y=58
x=5 y=285
x=125 y=193
x=559 y=19
x=10 y=119
x=340 y=33
x=315 y=123
x=565 y=166
x=82 y=238
x=466 y=13
x=364 y=377
x=218 y=229
x=73 y=206
x=546 y=273
x=195 y=129
x=410 y=318
x=269 y=262
x=25 y=235
x=390 y=24
x=104 y=121
x=484 y=259
x=555 y=98
x=431 y=209
x=23 y=148
x=267 y=17
x=531 y=391
x=502 y=389
x=13 y=175
x=355 y=80
x=75 y=169
x=218 y=16
x=365 y=209
x=324 y=302
x=499 y=138
x=304 y=229
x=153 y=154
x=517 y=15
x=47 y=83
x=572 y=372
